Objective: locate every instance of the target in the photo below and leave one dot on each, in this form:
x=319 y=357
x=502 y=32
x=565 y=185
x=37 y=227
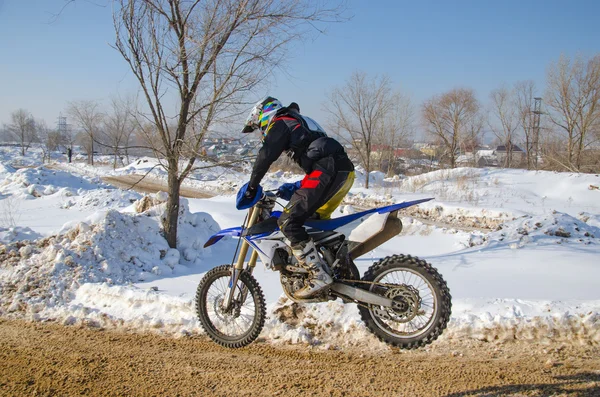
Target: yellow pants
x=327 y=209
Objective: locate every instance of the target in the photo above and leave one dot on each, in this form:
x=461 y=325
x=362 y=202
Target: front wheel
x=422 y=302
x=241 y=324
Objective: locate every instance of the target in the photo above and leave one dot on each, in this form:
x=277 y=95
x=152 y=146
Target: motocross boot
x=318 y=279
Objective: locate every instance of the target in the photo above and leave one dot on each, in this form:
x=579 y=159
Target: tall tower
x=63 y=131
x=62 y=124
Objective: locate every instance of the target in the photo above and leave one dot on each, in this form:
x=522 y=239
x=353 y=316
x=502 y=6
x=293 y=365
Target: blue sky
x=426 y=47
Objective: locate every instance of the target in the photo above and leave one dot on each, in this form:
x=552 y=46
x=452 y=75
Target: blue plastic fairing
x=332 y=224
x=232 y=231
x=329 y=224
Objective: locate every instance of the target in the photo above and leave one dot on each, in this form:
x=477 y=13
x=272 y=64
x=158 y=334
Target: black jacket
x=303 y=140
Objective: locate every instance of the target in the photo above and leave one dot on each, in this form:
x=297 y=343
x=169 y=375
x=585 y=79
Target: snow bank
x=109 y=247
x=376 y=178
x=5 y=169
x=12 y=155
x=328 y=324
x=484 y=198
x=590 y=219
x=516 y=319
x=84 y=274
x=100 y=198
x=555 y=228
x=17 y=233
x=102 y=305
x=142 y=165
x=544 y=187
x=540 y=230
x=74 y=191
x=36 y=182
x=335 y=325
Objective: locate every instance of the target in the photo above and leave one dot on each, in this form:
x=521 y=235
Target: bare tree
x=67 y=138
x=471 y=140
x=397 y=128
x=21 y=129
x=451 y=117
x=506 y=120
x=47 y=138
x=525 y=97
x=119 y=126
x=573 y=98
x=88 y=116
x=200 y=58
x=361 y=111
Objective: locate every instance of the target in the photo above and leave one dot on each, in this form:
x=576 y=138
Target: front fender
x=232 y=231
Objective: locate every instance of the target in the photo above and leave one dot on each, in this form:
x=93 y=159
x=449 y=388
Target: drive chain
x=381 y=314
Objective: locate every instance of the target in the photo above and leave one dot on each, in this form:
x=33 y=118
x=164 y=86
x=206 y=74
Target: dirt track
x=147 y=185
x=50 y=359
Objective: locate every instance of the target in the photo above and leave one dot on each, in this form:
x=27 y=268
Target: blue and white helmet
x=261 y=114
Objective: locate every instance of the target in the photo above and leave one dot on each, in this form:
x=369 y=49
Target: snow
x=43 y=199
x=109 y=247
x=17 y=233
x=485 y=197
x=508 y=190
x=80 y=251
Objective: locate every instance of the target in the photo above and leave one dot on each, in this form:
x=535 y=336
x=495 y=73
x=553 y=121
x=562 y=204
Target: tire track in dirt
x=136 y=182
x=146 y=185
x=51 y=359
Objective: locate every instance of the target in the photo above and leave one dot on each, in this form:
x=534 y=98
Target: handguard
x=242 y=202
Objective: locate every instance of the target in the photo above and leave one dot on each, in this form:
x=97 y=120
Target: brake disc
x=226 y=316
x=406 y=304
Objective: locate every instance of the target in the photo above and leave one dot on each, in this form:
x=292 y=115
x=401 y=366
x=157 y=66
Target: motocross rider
x=329 y=177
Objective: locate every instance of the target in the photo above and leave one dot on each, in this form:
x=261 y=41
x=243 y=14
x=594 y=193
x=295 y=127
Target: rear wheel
x=422 y=302
x=241 y=324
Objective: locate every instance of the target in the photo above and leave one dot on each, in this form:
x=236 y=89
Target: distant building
x=518 y=155
x=502 y=149
x=428 y=149
x=466 y=160
x=487 y=161
x=486 y=152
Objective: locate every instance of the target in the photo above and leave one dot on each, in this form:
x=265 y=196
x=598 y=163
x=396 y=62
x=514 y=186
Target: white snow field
x=76 y=250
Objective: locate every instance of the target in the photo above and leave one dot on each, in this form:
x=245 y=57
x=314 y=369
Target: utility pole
x=537 y=115
x=63 y=130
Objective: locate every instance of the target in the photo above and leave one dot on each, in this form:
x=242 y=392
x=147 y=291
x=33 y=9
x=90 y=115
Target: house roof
x=502 y=148
x=485 y=152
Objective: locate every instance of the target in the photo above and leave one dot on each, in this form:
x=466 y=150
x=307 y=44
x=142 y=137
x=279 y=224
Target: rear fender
x=378 y=229
x=406 y=204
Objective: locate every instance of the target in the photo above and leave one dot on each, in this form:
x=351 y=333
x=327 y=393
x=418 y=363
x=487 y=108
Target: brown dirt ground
x=49 y=359
x=147 y=185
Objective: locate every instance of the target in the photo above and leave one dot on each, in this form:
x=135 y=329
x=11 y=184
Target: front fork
x=238 y=268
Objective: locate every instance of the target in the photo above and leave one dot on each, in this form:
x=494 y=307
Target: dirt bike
x=403 y=300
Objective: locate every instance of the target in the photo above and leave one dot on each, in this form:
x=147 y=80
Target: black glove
x=250 y=193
